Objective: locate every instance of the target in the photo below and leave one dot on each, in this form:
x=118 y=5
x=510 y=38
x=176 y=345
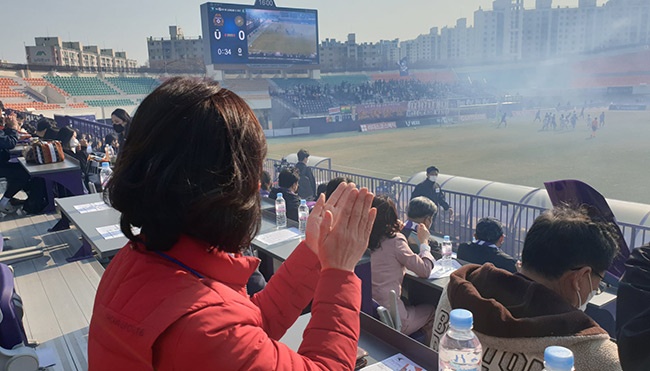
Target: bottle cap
x=446 y=238
x=461 y=319
x=303 y=202
x=559 y=358
x=279 y=195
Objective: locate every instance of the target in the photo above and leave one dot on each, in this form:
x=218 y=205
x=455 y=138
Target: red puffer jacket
x=151 y=313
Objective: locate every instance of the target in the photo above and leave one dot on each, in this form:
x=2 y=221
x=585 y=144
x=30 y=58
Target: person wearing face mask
x=121 y=124
x=516 y=316
x=430 y=189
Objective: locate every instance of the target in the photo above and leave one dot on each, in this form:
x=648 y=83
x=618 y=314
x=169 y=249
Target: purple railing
x=468 y=209
x=96 y=129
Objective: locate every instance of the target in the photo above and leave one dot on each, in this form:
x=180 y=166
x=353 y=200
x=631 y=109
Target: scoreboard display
x=243 y=34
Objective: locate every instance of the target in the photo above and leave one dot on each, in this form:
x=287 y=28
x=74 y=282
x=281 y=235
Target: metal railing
x=467 y=210
x=96 y=129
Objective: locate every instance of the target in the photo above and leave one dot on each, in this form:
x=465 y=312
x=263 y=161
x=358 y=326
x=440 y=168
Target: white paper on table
x=91 y=207
x=439 y=271
x=281 y=235
x=397 y=362
x=110 y=231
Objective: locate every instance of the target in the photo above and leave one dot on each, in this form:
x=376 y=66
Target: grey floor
x=57 y=296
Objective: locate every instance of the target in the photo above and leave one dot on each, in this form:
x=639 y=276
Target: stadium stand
x=314 y=97
x=446 y=76
x=78 y=105
x=134 y=85
x=33 y=81
x=26 y=106
x=628 y=69
x=291 y=82
x=5 y=81
x=338 y=79
x=109 y=102
x=246 y=85
x=76 y=85
x=627 y=63
x=6 y=91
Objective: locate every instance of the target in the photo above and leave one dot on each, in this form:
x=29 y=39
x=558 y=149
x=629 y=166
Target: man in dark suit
x=307 y=188
x=486 y=249
x=431 y=190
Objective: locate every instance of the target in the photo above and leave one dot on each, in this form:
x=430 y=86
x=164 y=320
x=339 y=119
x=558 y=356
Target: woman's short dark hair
x=64 y=135
x=333 y=184
x=569 y=237
x=110 y=138
x=122 y=115
x=288 y=177
x=203 y=183
x=265 y=182
x=386 y=223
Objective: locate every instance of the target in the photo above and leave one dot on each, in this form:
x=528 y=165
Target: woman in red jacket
x=174 y=298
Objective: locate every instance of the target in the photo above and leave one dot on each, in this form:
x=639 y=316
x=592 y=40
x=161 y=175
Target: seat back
x=363 y=271
x=384 y=316
x=394 y=310
x=12 y=332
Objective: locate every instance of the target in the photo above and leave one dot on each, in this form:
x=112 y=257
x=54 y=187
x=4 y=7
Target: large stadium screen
x=243 y=34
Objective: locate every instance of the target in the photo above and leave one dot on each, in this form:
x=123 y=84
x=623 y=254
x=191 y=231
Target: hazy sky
x=125 y=24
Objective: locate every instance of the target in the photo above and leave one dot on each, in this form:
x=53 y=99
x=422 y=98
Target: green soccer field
x=301 y=41
x=616 y=162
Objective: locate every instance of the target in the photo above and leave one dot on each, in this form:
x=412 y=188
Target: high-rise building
x=423 y=50
x=51 y=51
x=178 y=53
x=350 y=56
x=509 y=32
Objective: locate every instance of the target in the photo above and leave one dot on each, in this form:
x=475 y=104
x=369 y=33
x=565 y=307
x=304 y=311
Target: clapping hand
x=338 y=230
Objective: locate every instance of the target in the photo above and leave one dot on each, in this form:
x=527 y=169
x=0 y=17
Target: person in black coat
x=633 y=311
x=486 y=249
x=15 y=174
x=45 y=130
x=288 y=185
x=307 y=188
x=431 y=190
x=121 y=124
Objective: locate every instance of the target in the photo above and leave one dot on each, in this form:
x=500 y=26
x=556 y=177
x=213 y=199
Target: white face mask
x=583 y=306
x=433 y=178
x=74 y=142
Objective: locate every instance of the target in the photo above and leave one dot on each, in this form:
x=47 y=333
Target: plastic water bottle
x=460 y=349
x=446 y=251
x=303 y=214
x=105 y=174
x=280 y=212
x=109 y=153
x=558 y=359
